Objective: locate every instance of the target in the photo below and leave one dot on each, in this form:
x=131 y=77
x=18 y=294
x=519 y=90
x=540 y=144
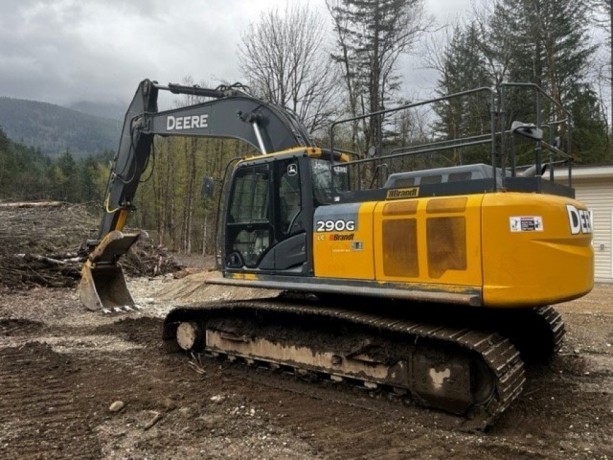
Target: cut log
x=33 y=204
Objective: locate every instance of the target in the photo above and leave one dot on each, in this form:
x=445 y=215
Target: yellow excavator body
x=515 y=249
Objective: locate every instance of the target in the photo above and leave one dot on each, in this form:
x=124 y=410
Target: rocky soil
x=62 y=368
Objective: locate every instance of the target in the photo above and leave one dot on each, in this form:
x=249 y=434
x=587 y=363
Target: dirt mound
x=40 y=243
x=44 y=244
x=19 y=326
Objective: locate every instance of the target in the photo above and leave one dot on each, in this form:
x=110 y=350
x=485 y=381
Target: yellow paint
x=400 y=208
x=121 y=220
x=347 y=254
x=310 y=151
x=536 y=267
x=243 y=276
x=465 y=243
x=421 y=211
x=314 y=152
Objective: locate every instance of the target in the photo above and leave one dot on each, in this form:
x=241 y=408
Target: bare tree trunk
x=191 y=181
x=204 y=234
x=284 y=57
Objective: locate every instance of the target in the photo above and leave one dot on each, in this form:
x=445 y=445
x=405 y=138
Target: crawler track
x=554 y=325
x=491 y=358
x=537 y=333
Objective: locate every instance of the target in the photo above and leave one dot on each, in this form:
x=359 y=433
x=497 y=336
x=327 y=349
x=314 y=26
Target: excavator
x=435 y=283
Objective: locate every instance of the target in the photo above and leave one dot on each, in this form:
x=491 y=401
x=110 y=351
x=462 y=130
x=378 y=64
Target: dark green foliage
x=22 y=171
x=27 y=174
x=63 y=176
x=464 y=67
x=54 y=129
x=544 y=42
x=590 y=142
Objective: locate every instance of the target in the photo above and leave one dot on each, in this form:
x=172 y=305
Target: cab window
x=329 y=180
x=290 y=202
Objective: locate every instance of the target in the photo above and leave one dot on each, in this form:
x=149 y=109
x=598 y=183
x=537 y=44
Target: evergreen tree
x=539 y=41
x=371 y=36
x=464 y=67
x=65 y=179
x=554 y=51
x=551 y=43
x=90 y=190
x=590 y=142
x=22 y=171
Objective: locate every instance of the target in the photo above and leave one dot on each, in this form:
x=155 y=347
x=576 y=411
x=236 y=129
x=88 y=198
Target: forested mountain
x=98 y=109
x=28 y=174
x=53 y=129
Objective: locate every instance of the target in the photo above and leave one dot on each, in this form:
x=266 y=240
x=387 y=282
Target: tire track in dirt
x=13 y=327
x=38 y=414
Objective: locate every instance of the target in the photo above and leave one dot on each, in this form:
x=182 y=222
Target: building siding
x=597 y=195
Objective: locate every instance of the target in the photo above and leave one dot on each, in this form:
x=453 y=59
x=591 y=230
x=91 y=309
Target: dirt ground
x=62 y=367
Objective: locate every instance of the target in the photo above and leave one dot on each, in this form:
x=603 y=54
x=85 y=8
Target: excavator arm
x=230 y=113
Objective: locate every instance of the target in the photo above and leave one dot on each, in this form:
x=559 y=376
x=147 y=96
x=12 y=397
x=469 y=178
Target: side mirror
x=207 y=189
x=528 y=130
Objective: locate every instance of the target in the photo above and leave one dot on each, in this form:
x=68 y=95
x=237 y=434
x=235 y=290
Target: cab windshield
x=330 y=180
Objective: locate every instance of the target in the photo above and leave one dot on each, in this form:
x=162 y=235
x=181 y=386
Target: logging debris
x=43 y=244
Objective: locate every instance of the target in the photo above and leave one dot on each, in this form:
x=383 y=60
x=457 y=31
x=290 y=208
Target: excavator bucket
x=103 y=285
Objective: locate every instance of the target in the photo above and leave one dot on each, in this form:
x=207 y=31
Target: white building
x=594 y=188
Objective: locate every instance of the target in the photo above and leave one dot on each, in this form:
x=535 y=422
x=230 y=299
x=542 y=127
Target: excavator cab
x=269 y=215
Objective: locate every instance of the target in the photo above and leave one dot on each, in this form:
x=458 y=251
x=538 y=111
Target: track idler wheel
x=189 y=336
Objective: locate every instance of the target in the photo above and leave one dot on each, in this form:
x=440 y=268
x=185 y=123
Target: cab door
x=265 y=222
x=290 y=251
x=249 y=230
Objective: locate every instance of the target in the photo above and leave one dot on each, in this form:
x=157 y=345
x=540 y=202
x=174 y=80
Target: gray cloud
x=64 y=51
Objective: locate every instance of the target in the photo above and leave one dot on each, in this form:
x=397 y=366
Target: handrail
x=497 y=134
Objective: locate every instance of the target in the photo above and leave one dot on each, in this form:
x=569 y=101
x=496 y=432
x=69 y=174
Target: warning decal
x=526 y=224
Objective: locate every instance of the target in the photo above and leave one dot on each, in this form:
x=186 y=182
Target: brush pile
x=43 y=244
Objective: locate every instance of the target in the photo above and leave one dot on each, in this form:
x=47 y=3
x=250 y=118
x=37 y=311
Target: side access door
x=266 y=223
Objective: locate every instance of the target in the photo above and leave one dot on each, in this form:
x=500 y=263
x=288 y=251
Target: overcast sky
x=64 y=51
